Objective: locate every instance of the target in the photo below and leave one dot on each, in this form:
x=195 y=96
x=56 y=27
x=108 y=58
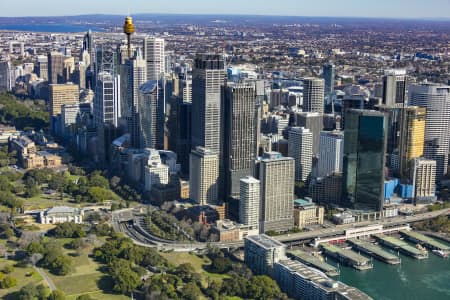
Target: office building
x=156 y=173
x=394 y=88
x=180 y=132
x=327 y=190
x=42 y=67
x=436 y=99
x=329 y=73
x=6 y=78
x=423 y=174
x=107 y=100
x=331 y=153
x=313 y=122
x=203 y=176
x=135 y=70
x=364 y=159
x=261 y=252
x=240 y=134
x=56 y=68
x=154 y=55
x=207 y=80
x=249 y=202
x=313 y=95
x=277 y=177
x=300 y=148
x=412 y=137
x=151 y=115
x=60 y=94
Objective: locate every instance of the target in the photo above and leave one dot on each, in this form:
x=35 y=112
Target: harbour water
x=412 y=279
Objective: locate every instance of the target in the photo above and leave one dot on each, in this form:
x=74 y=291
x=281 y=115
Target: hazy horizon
x=391 y=9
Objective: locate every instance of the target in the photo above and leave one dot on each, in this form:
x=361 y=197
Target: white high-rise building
x=424 y=180
x=249 y=202
x=300 y=147
x=203 y=176
x=436 y=99
x=155 y=171
x=277 y=176
x=107 y=99
x=154 y=55
x=331 y=153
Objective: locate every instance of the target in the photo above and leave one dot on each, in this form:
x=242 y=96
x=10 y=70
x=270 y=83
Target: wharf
x=424 y=240
x=441 y=237
x=374 y=251
x=314 y=262
x=401 y=246
x=347 y=257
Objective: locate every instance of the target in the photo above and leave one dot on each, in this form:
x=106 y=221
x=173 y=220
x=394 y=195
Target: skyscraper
x=151 y=115
x=329 y=72
x=313 y=95
x=412 y=137
x=60 y=94
x=240 y=130
x=394 y=87
x=331 y=153
x=136 y=72
x=107 y=100
x=6 y=81
x=56 y=67
x=300 y=148
x=207 y=80
x=249 y=202
x=436 y=99
x=314 y=122
x=154 y=56
x=203 y=176
x=277 y=177
x=364 y=159
x=42 y=67
x=423 y=174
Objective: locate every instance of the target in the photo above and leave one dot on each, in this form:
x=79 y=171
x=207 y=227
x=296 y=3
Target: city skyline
x=401 y=9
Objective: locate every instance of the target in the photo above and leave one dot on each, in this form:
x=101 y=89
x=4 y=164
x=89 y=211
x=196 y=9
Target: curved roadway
x=148 y=240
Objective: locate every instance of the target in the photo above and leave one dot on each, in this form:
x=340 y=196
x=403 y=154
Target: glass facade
x=364 y=159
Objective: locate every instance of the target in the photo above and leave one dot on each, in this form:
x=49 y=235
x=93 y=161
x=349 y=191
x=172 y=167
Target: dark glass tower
x=364 y=159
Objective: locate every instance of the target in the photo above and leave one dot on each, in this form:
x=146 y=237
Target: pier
x=347 y=257
x=374 y=251
x=424 y=240
x=314 y=262
x=401 y=246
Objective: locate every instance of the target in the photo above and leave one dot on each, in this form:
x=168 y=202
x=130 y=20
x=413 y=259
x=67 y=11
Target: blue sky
x=355 y=8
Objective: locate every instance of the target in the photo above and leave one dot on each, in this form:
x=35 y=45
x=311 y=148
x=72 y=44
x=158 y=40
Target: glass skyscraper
x=364 y=159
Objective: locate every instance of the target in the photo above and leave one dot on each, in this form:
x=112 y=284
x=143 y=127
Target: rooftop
x=265 y=241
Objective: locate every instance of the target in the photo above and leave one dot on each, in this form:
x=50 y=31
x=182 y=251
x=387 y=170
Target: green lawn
x=86 y=278
x=21 y=275
x=45 y=201
x=198 y=263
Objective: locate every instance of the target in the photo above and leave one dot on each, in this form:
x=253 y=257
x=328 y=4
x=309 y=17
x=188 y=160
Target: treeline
x=15 y=113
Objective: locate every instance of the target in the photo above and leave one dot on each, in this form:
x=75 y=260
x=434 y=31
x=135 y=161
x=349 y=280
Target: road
x=139 y=239
x=47 y=279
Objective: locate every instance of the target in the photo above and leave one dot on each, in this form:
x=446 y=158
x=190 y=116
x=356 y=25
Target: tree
x=57 y=295
x=98 y=194
x=84 y=297
x=221 y=265
x=185 y=272
x=191 y=291
x=97 y=180
x=8 y=282
x=124 y=277
x=263 y=287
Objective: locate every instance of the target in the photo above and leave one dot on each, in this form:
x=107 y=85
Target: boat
x=440 y=253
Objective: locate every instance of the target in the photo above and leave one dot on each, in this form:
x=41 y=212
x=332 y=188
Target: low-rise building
x=344 y=218
x=306 y=213
x=61 y=214
x=41 y=159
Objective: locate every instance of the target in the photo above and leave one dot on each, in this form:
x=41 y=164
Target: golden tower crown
x=128 y=27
